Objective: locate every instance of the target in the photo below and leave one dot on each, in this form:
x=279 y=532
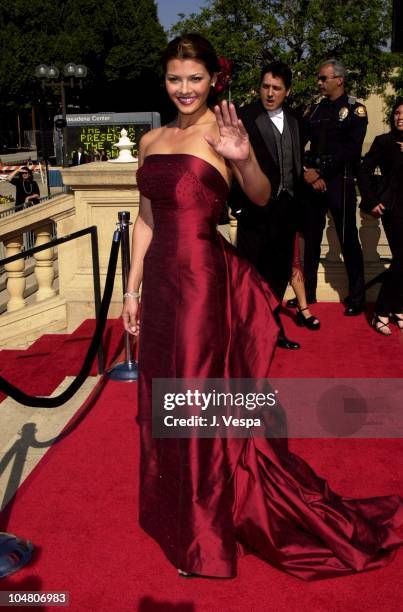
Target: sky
x=168 y=10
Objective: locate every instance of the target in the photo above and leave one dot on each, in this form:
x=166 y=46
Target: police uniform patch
x=343 y=112
x=361 y=111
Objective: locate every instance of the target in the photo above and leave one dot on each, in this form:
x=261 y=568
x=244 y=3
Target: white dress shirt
x=277 y=116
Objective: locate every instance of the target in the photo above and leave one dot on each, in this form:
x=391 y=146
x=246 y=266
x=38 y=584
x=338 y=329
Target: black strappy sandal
x=398 y=320
x=379 y=326
x=309 y=322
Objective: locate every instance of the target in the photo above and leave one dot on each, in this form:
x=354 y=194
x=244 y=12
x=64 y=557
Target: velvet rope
x=53 y=402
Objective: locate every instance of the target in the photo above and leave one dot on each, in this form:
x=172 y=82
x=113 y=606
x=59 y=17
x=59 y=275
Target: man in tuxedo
x=266 y=236
x=79 y=157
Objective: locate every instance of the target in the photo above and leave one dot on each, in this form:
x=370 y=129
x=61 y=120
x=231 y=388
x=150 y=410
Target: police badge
x=343 y=112
x=361 y=111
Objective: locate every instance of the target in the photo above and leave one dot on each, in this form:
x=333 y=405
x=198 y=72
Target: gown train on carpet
x=206 y=313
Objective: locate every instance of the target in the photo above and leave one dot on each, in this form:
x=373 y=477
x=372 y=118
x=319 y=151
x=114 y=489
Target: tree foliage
x=397 y=82
x=302 y=33
x=118 y=40
x=23 y=37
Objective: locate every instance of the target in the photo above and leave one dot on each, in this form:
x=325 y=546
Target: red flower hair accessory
x=224 y=76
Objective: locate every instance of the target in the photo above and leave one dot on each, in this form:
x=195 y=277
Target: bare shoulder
x=147 y=142
x=149 y=137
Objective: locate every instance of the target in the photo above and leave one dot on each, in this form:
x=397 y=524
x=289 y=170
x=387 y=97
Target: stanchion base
x=127 y=371
x=14 y=553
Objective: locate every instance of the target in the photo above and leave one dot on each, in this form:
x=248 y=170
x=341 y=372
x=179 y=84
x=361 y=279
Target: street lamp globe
x=41 y=71
x=70 y=70
x=72 y=73
x=81 y=71
x=53 y=72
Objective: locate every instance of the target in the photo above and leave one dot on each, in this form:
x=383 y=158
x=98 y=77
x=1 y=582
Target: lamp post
x=72 y=72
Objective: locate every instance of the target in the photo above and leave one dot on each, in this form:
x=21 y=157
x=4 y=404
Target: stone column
x=15 y=274
x=101 y=190
x=44 y=270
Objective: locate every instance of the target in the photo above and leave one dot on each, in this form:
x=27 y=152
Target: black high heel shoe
x=380 y=326
x=311 y=322
x=398 y=320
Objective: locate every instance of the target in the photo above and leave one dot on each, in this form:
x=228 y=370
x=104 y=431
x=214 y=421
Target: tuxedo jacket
x=83 y=160
x=261 y=134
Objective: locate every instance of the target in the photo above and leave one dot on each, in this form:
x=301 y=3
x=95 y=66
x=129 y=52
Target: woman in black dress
x=384 y=199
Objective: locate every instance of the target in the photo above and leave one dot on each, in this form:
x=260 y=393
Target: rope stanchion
x=126 y=370
x=53 y=402
x=15 y=552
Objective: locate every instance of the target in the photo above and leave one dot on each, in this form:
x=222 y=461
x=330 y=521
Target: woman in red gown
x=208 y=314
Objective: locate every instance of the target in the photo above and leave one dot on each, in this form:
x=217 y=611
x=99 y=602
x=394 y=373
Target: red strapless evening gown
x=208 y=314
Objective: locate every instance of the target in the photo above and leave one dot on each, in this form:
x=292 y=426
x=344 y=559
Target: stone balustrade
x=44 y=269
x=98 y=192
x=32 y=305
x=15 y=274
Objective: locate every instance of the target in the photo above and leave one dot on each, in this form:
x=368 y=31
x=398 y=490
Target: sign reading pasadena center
x=96 y=133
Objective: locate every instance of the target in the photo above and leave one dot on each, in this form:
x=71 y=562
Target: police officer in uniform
x=335 y=128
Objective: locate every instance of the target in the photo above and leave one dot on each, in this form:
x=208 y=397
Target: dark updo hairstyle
x=191 y=46
x=398 y=102
x=194 y=47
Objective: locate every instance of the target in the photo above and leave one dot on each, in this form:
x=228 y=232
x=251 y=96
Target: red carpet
x=79 y=506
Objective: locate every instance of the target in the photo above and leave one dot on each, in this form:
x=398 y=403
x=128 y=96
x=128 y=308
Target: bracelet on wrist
x=132 y=294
